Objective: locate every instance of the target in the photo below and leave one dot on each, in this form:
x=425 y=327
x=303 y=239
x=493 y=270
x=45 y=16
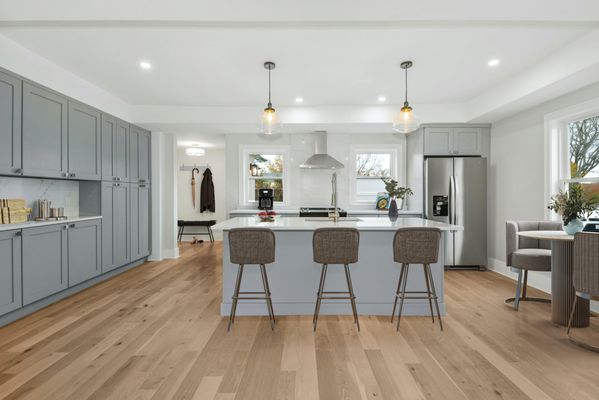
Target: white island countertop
x=309 y=224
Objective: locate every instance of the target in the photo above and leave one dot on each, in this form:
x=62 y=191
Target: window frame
x=557 y=149
x=244 y=153
x=394 y=169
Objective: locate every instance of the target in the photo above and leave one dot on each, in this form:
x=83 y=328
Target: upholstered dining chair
x=525 y=254
x=585 y=275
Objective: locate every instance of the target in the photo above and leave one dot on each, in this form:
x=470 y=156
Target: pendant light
x=270 y=121
x=406 y=121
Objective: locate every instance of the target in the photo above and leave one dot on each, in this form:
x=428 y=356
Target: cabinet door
x=121 y=151
x=84 y=251
x=135 y=221
x=134 y=153
x=140 y=221
x=84 y=142
x=44 y=132
x=10 y=125
x=438 y=141
x=467 y=141
x=143 y=157
x=109 y=133
x=10 y=271
x=44 y=261
x=115 y=225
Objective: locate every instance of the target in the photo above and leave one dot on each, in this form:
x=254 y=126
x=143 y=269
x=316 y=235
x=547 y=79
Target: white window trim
x=557 y=152
x=396 y=152
x=244 y=152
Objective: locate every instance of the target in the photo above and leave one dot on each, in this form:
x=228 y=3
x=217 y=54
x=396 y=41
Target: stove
x=306 y=212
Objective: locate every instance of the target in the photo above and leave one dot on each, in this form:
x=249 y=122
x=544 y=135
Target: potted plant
x=397 y=194
x=572 y=206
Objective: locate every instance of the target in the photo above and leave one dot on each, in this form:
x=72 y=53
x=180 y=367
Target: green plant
x=392 y=187
x=574 y=203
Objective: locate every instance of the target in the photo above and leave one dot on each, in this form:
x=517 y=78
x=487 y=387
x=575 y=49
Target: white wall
x=308 y=187
x=517 y=174
x=185 y=210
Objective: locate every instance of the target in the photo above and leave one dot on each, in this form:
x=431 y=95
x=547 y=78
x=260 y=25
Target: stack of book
x=13 y=211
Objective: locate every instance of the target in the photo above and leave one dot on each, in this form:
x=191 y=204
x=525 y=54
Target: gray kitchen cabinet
x=140 y=220
x=115 y=225
x=10 y=271
x=10 y=124
x=84 y=142
x=45 y=138
x=115 y=149
x=139 y=155
x=84 y=254
x=451 y=141
x=45 y=261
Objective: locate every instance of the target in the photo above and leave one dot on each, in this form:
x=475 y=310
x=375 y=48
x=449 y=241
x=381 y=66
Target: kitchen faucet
x=335 y=214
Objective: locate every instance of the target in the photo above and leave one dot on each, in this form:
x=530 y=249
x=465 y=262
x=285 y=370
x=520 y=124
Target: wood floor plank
x=155 y=332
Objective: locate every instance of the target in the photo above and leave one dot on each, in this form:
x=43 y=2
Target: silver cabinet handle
x=19 y=233
x=65 y=227
x=142 y=181
x=71 y=225
x=65 y=174
x=118 y=178
x=18 y=171
x=72 y=174
x=114 y=178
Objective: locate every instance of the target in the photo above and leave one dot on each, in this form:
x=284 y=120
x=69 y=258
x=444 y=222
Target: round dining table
x=562 y=289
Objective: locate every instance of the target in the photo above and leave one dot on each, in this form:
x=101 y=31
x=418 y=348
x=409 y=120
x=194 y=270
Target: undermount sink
x=341 y=219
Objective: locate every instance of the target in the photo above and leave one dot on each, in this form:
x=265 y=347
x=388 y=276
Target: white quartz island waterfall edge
x=294 y=276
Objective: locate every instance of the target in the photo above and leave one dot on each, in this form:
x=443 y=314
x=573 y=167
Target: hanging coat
x=207 y=192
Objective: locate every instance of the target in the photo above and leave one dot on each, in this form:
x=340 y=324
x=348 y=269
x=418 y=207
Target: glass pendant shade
x=270 y=121
x=406 y=121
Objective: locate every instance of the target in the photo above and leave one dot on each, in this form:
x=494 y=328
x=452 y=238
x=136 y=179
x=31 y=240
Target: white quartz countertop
x=302 y=224
x=350 y=211
x=35 y=224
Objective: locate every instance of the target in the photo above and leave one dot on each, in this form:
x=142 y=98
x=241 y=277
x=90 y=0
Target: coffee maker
x=265 y=199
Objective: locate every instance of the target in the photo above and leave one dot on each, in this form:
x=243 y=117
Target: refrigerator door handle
x=450 y=208
x=455 y=197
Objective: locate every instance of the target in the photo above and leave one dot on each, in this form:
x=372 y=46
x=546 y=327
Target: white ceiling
x=338 y=53
x=348 y=66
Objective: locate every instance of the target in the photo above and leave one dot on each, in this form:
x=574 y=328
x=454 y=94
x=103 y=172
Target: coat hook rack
x=191 y=167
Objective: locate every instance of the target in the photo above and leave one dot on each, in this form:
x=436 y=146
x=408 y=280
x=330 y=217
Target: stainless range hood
x=320 y=159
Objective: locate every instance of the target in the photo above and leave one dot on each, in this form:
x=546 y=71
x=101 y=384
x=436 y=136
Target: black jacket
x=207 y=192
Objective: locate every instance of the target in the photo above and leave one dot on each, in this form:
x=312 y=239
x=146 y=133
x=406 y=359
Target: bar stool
x=335 y=246
x=416 y=246
x=252 y=246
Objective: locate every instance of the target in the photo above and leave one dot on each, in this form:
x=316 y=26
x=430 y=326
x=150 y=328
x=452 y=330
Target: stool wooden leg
x=350 y=287
x=525 y=285
x=430 y=274
x=402 y=295
x=323 y=276
x=271 y=313
x=235 y=296
x=428 y=290
x=397 y=291
x=211 y=235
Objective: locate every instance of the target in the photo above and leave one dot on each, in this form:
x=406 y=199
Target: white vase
x=574 y=226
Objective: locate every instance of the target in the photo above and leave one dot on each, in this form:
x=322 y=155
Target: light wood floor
x=155 y=333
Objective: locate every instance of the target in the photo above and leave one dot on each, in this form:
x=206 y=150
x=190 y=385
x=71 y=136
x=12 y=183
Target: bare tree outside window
x=584 y=147
x=373 y=165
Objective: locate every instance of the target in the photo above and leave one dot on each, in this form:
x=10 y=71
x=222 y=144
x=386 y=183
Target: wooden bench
x=182 y=224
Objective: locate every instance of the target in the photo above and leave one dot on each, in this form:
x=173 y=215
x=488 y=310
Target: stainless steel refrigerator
x=456 y=193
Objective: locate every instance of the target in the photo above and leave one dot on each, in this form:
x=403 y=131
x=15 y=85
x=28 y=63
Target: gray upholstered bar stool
x=525 y=254
x=252 y=246
x=585 y=275
x=335 y=246
x=416 y=246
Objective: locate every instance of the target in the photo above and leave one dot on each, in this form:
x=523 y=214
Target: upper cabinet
x=10 y=125
x=84 y=141
x=139 y=155
x=44 y=133
x=440 y=141
x=115 y=149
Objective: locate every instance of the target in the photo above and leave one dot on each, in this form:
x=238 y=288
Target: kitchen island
x=294 y=276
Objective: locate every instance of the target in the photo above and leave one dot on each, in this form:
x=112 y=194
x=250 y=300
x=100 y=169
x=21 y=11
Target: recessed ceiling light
x=145 y=65
x=382 y=99
x=493 y=63
x=299 y=99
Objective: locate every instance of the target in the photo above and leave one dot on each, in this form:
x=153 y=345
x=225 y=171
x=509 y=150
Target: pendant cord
x=269 y=102
x=406 y=85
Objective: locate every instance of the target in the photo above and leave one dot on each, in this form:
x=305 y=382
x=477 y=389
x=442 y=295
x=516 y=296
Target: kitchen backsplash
x=60 y=193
